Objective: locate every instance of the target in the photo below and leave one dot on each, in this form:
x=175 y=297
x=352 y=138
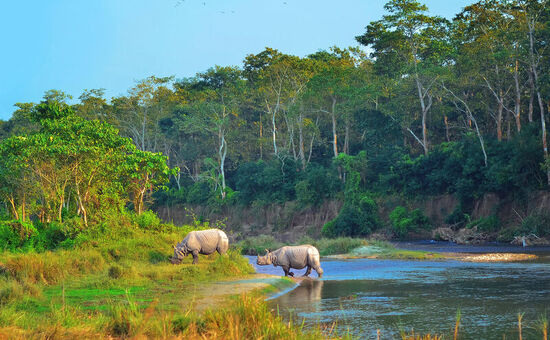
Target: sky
x=72 y=45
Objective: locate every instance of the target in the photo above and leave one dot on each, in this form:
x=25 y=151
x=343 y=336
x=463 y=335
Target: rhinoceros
x=296 y=257
x=203 y=242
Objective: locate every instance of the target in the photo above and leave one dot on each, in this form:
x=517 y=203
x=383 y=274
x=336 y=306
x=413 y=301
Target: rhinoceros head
x=264 y=260
x=179 y=254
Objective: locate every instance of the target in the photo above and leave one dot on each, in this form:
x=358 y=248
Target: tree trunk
x=500 y=109
x=531 y=98
x=425 y=108
x=346 y=136
x=517 y=106
x=223 y=154
x=23 y=208
x=261 y=137
x=446 y=129
x=14 y=208
x=301 y=153
x=334 y=135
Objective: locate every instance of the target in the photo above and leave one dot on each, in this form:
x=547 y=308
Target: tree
x=410 y=46
x=213 y=111
x=279 y=80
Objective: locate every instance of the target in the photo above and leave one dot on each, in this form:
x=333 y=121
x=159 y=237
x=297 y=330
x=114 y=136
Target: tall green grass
x=326 y=246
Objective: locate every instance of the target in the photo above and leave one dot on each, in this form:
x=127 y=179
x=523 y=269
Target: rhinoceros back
x=297 y=257
x=207 y=241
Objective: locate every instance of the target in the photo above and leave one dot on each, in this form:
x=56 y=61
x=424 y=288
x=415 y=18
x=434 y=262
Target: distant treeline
x=435 y=107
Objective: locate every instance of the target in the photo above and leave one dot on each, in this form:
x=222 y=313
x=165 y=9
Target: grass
x=82 y=287
x=243 y=317
x=121 y=284
x=385 y=250
x=326 y=246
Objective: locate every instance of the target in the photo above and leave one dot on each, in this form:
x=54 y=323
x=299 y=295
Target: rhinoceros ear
x=266 y=251
x=174 y=246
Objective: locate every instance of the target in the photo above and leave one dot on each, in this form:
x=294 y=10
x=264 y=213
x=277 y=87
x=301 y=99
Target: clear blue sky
x=72 y=45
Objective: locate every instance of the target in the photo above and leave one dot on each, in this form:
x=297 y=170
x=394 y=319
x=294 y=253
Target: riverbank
x=389 y=251
x=122 y=285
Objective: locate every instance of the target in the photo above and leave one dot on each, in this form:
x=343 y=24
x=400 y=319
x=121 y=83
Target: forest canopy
x=435 y=106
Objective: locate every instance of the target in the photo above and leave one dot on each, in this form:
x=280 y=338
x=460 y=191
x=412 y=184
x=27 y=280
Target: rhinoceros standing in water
x=296 y=257
x=203 y=242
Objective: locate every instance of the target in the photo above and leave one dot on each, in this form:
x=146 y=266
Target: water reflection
x=307 y=296
x=366 y=295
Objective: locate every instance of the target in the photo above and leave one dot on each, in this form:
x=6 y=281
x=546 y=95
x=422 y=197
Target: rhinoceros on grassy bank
x=203 y=242
x=297 y=257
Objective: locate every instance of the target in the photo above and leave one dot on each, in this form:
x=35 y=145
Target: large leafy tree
x=70 y=157
x=213 y=112
x=412 y=47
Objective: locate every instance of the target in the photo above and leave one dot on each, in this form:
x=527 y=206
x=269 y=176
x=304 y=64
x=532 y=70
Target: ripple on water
x=363 y=295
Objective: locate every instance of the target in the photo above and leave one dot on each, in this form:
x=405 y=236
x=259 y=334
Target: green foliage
x=357 y=218
x=318 y=185
x=403 y=221
x=17 y=235
x=147 y=220
x=359 y=214
x=266 y=182
x=537 y=223
x=257 y=245
x=199 y=193
x=486 y=224
x=87 y=160
x=334 y=246
x=457 y=217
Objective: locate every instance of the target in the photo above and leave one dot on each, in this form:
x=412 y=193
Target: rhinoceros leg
x=287 y=271
x=195 y=254
x=308 y=271
x=319 y=271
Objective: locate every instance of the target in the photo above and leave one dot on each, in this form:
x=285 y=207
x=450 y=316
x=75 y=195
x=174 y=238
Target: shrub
x=115 y=271
x=147 y=220
x=319 y=184
x=358 y=217
x=199 y=193
x=124 y=318
x=340 y=245
x=17 y=235
x=457 y=217
x=538 y=224
x=258 y=245
x=486 y=224
x=403 y=221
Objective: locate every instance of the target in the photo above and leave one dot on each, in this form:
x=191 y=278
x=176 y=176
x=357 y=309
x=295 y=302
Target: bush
x=487 y=224
x=358 y=217
x=538 y=224
x=199 y=193
x=147 y=220
x=457 y=217
x=335 y=246
x=319 y=184
x=17 y=235
x=257 y=245
x=403 y=221
x=266 y=181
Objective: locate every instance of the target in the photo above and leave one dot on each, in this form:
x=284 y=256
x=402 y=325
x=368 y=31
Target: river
x=366 y=295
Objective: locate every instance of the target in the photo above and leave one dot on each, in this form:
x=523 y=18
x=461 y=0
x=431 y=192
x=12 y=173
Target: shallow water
x=363 y=295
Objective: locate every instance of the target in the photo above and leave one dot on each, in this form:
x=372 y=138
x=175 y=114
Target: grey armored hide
x=203 y=242
x=297 y=257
